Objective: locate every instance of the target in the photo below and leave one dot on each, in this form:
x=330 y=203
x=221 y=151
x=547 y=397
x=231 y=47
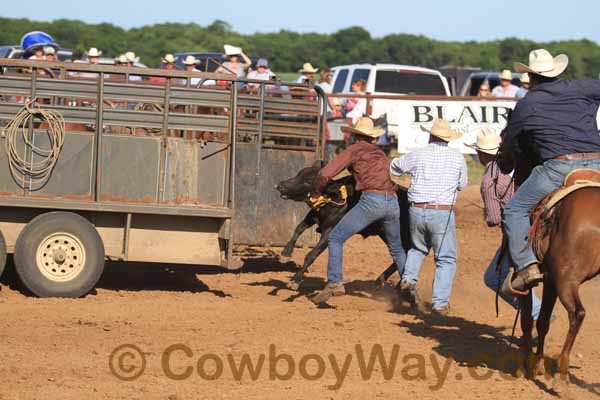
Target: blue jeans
x=372 y=207
x=492 y=279
x=432 y=229
x=544 y=179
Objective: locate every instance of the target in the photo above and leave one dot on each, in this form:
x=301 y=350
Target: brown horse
x=569 y=255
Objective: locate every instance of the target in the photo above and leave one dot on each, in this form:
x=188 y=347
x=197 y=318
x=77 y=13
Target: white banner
x=465 y=116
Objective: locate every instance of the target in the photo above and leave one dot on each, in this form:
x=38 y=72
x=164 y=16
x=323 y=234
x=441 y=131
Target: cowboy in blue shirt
x=559 y=118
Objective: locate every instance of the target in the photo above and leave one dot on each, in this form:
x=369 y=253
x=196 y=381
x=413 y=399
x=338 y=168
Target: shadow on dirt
x=472 y=345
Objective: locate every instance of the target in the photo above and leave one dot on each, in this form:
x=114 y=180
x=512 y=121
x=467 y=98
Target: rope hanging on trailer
x=29 y=172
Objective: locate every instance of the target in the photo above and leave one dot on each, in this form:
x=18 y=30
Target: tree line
x=287 y=50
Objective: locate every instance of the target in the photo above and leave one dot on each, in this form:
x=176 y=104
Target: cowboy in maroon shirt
x=378 y=202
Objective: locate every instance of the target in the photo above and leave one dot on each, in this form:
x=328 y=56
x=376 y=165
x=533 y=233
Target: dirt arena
x=195 y=325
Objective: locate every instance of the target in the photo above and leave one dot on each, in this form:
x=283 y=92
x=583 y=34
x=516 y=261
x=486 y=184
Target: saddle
x=541 y=215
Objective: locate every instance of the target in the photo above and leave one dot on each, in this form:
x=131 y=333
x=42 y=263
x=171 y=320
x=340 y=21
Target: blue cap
x=262 y=62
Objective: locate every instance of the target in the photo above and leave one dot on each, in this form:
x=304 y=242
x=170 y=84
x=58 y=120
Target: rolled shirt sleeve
x=401 y=165
x=464 y=175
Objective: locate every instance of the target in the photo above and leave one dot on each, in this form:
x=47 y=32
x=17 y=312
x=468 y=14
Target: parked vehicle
x=157 y=182
x=390 y=80
x=475 y=79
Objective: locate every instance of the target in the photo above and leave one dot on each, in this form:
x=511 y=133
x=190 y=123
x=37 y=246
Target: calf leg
x=307 y=222
x=310 y=258
x=569 y=297
x=543 y=322
x=385 y=275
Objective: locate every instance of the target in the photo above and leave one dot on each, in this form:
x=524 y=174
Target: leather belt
x=577 y=156
x=391 y=193
x=430 y=206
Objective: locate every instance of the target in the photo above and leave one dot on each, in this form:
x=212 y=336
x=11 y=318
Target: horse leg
x=569 y=297
x=306 y=223
x=526 y=327
x=543 y=323
x=312 y=255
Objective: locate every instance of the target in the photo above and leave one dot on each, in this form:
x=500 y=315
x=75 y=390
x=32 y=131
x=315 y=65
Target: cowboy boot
x=523 y=280
x=330 y=290
x=409 y=292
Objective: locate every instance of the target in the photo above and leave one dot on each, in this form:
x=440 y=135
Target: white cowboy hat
x=506 y=75
x=542 y=63
x=93 y=52
x=441 y=129
x=364 y=126
x=308 y=68
x=130 y=55
x=525 y=78
x=49 y=50
x=169 y=59
x=232 y=50
x=487 y=141
x=190 y=60
x=122 y=59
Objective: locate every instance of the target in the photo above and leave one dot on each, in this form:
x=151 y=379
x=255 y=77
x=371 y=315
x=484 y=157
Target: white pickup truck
x=389 y=80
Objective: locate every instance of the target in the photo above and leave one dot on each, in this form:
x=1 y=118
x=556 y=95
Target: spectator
x=333 y=104
x=50 y=53
x=130 y=60
x=190 y=63
x=505 y=89
x=93 y=56
x=169 y=62
x=484 y=89
x=38 y=54
x=357 y=107
x=306 y=73
x=76 y=56
x=524 y=86
x=121 y=60
x=233 y=66
x=262 y=73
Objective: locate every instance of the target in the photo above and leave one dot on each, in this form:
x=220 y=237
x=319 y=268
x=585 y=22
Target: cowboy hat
x=487 y=141
x=364 y=126
x=441 y=129
x=93 y=52
x=525 y=78
x=190 y=60
x=130 y=55
x=506 y=75
x=232 y=50
x=542 y=63
x=169 y=59
x=308 y=68
x=122 y=59
x=49 y=50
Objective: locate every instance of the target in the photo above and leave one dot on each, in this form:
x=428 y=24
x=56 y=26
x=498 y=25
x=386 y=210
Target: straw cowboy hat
x=232 y=50
x=190 y=60
x=122 y=59
x=525 y=78
x=542 y=63
x=130 y=55
x=364 y=126
x=441 y=129
x=487 y=141
x=169 y=59
x=506 y=75
x=307 y=68
x=93 y=52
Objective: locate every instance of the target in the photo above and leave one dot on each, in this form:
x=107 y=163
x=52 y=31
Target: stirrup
x=508 y=289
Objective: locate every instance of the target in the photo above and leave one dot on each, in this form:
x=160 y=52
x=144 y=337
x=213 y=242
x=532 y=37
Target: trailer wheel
x=2 y=253
x=59 y=254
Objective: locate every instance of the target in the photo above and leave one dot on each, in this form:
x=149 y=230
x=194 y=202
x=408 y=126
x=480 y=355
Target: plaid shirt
x=437 y=170
x=496 y=190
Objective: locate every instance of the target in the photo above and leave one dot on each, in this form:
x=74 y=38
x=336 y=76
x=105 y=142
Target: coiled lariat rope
x=30 y=173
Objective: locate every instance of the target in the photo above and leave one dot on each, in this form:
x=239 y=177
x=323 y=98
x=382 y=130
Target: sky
x=457 y=20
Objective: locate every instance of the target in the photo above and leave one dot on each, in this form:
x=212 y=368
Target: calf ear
x=319 y=163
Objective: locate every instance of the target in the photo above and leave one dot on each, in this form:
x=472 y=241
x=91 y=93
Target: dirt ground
x=195 y=325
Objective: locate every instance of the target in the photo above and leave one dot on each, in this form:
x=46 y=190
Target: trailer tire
x=59 y=254
x=2 y=254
